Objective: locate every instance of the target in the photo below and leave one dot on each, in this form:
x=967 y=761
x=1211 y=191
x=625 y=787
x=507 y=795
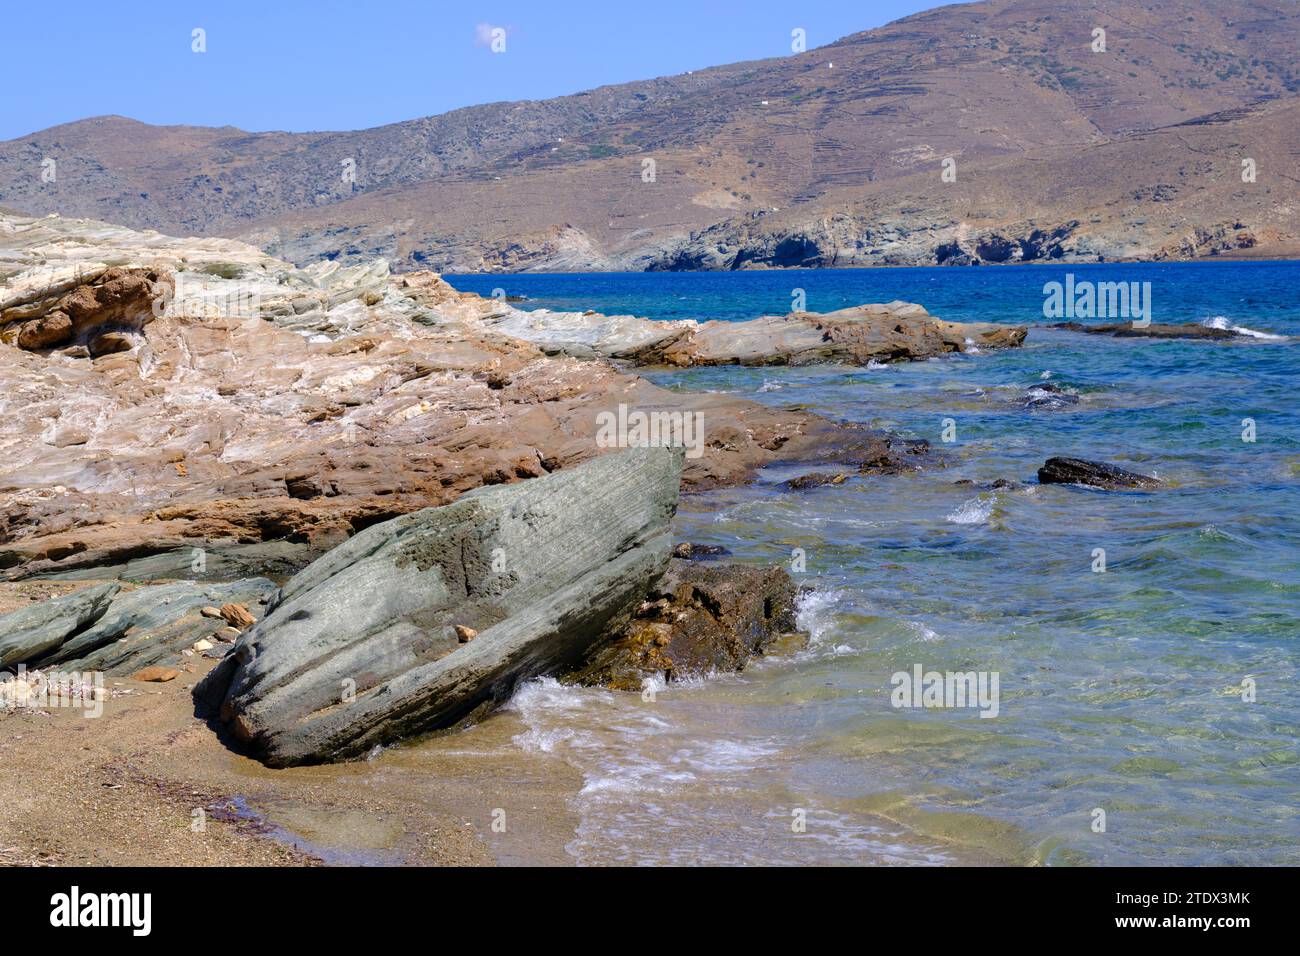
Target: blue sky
x=350 y=65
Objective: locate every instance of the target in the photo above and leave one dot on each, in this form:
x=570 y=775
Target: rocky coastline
x=345 y=508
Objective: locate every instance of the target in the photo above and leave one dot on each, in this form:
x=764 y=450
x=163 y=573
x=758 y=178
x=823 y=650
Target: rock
x=32 y=633
x=376 y=615
x=100 y=310
x=1156 y=330
x=1046 y=397
x=894 y=456
x=228 y=634
x=122 y=631
x=352 y=397
x=699 y=618
x=895 y=331
x=464 y=634
x=236 y=615
x=107 y=343
x=815 y=480
x=1098 y=474
x=698 y=552
x=202 y=645
x=213 y=612
x=52 y=329
x=159 y=675
x=69 y=437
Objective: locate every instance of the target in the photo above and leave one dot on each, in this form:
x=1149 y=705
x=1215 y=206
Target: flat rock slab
x=104 y=627
x=1156 y=330
x=361 y=649
x=30 y=633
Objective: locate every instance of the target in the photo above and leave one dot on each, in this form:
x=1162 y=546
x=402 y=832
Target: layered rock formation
x=896 y=331
x=251 y=415
x=419 y=622
x=258 y=414
x=103 y=627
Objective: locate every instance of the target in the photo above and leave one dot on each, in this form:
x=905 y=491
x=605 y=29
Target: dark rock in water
x=360 y=649
x=896 y=455
x=1099 y=474
x=1005 y=484
x=699 y=552
x=1156 y=330
x=1047 y=396
x=697 y=619
x=32 y=632
x=814 y=480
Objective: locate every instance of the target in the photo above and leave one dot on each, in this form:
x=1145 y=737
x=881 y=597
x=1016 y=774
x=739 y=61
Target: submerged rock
x=698 y=619
x=1156 y=330
x=816 y=479
x=361 y=647
x=1098 y=474
x=699 y=552
x=1046 y=397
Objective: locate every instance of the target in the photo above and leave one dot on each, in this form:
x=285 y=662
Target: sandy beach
x=122 y=789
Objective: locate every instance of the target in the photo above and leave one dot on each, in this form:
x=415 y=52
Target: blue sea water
x=1121 y=690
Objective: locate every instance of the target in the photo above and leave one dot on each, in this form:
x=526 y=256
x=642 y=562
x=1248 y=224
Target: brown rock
x=156 y=674
x=106 y=343
x=815 y=480
x=698 y=619
x=46 y=332
x=236 y=615
x=465 y=634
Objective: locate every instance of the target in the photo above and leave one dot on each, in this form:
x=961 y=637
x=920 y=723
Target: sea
x=1146 y=644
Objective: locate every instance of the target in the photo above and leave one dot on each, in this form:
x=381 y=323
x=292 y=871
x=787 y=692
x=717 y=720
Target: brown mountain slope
x=831 y=156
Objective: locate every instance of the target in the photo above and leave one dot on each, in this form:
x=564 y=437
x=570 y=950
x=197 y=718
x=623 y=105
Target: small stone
x=156 y=674
x=237 y=615
x=210 y=612
x=228 y=634
x=465 y=634
x=202 y=645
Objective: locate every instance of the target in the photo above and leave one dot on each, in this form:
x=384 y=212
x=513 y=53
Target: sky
x=331 y=65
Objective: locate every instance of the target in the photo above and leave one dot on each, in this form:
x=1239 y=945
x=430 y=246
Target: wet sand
x=123 y=788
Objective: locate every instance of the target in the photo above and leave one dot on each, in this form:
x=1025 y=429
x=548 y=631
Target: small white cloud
x=483 y=34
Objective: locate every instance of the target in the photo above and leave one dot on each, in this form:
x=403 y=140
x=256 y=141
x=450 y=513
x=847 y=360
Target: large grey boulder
x=362 y=647
x=30 y=632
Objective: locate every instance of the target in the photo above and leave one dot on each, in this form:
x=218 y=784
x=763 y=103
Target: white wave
x=815 y=613
x=1222 y=322
x=975 y=511
x=923 y=632
x=770 y=386
x=874 y=366
x=1046 y=375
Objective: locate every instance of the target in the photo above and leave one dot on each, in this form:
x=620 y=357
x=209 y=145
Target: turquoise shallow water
x=1120 y=691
